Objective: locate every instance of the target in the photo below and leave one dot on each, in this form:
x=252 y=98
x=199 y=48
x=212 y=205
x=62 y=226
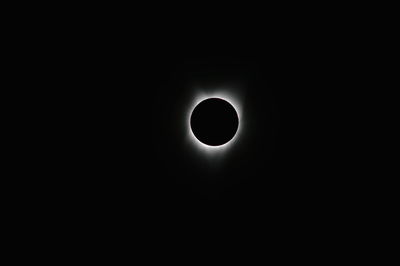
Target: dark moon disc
x=214 y=121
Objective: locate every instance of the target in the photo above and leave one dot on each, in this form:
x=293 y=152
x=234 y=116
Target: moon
x=229 y=94
x=214 y=121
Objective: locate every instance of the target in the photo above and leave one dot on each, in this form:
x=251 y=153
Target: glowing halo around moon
x=229 y=97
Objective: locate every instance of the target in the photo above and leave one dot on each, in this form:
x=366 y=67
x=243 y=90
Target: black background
x=105 y=166
x=126 y=162
x=134 y=125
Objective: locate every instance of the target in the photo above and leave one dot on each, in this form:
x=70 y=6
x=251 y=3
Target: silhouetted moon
x=214 y=121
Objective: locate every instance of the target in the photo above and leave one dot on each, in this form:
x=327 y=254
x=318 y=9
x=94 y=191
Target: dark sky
x=120 y=173
x=285 y=89
x=134 y=158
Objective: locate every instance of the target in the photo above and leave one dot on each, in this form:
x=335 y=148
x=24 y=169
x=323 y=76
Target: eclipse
x=214 y=121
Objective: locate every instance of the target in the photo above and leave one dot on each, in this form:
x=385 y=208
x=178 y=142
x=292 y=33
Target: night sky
x=115 y=166
x=137 y=163
x=278 y=159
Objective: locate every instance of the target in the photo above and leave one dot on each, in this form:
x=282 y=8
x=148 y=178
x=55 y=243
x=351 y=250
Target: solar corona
x=214 y=121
